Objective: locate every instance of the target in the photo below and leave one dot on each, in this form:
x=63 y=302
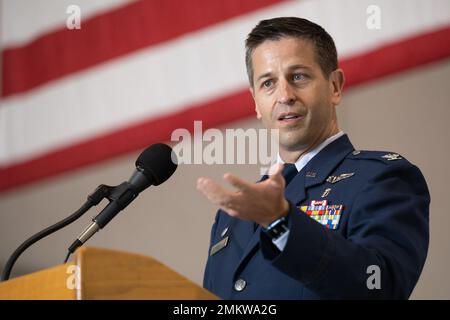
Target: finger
x=230 y=212
x=276 y=168
x=226 y=200
x=276 y=178
x=237 y=182
x=214 y=192
x=275 y=172
x=209 y=187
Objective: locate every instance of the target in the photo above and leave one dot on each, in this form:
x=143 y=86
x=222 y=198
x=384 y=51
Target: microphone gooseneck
x=154 y=166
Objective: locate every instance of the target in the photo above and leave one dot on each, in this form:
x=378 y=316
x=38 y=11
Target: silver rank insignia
x=311 y=174
x=219 y=246
x=224 y=232
x=326 y=192
x=392 y=156
x=334 y=179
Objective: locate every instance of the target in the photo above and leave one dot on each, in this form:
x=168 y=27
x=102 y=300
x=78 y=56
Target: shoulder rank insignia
x=327 y=215
x=334 y=179
x=392 y=156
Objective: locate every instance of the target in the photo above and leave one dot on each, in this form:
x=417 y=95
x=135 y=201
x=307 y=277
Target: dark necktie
x=289 y=172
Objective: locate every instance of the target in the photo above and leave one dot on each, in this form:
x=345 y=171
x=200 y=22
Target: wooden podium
x=104 y=274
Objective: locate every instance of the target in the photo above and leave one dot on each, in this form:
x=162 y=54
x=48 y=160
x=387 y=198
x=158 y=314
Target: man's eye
x=298 y=77
x=267 y=83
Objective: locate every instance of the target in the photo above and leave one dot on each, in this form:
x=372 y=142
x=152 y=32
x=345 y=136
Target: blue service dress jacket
x=358 y=224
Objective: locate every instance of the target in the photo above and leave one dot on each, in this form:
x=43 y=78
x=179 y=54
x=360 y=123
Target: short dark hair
x=277 y=28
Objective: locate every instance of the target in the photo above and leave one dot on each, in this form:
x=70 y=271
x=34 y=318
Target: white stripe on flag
x=24 y=20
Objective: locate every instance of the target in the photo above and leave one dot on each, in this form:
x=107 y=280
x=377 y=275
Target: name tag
x=219 y=246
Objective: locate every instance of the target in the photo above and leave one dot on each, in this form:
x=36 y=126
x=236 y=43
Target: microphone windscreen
x=158 y=162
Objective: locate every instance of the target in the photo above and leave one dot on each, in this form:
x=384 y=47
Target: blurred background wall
x=78 y=106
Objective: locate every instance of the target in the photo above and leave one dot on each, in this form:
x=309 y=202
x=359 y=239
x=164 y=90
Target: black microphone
x=154 y=166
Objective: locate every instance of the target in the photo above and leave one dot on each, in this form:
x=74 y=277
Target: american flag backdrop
x=137 y=70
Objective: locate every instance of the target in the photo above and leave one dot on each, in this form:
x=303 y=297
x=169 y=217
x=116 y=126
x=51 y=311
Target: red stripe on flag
x=111 y=35
x=398 y=56
x=213 y=113
x=389 y=59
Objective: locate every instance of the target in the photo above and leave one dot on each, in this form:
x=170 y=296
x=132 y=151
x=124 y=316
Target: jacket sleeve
x=206 y=274
x=387 y=228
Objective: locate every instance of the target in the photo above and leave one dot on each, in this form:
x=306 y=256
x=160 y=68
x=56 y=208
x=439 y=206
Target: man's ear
x=258 y=114
x=337 y=80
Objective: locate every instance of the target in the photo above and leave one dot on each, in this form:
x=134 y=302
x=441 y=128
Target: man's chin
x=293 y=143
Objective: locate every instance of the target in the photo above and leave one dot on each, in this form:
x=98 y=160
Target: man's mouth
x=289 y=117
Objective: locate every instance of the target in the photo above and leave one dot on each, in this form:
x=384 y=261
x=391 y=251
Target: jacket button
x=239 y=285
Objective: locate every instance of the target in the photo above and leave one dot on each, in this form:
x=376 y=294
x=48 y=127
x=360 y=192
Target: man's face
x=292 y=94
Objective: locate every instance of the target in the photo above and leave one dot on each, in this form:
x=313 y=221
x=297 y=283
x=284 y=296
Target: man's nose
x=286 y=93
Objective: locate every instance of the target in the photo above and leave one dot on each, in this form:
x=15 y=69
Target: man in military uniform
x=329 y=221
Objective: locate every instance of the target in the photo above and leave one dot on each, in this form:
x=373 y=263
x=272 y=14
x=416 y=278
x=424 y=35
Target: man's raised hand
x=261 y=202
